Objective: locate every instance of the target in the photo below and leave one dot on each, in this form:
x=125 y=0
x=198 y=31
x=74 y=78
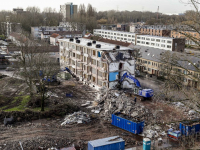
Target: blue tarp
x=113 y=76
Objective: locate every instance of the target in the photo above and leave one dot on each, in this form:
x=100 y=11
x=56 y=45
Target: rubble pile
x=76 y=117
x=113 y=101
x=153 y=132
x=40 y=143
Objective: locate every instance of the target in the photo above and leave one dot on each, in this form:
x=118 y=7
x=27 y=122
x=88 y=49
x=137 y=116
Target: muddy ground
x=47 y=133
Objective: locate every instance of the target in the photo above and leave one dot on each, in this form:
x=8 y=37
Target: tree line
x=33 y=16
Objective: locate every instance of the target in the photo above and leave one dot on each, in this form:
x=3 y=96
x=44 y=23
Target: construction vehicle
x=143 y=93
x=49 y=80
x=71 y=73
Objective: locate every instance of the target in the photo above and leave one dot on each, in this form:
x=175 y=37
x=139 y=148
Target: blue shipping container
x=146 y=144
x=128 y=125
x=190 y=127
x=110 y=143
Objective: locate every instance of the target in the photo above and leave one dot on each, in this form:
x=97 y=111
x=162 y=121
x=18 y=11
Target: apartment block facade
x=175 y=34
x=68 y=10
x=155 y=32
x=96 y=63
x=165 y=43
x=116 y=35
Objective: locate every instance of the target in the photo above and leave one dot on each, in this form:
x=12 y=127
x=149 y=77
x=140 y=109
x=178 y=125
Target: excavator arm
x=126 y=75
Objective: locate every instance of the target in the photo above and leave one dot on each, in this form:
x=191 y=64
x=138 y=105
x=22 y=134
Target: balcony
x=86 y=55
x=79 y=68
x=73 y=66
x=79 y=60
x=79 y=52
x=103 y=69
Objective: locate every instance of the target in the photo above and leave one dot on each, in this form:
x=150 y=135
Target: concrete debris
x=86 y=104
x=50 y=94
x=192 y=112
x=113 y=101
x=178 y=104
x=76 y=117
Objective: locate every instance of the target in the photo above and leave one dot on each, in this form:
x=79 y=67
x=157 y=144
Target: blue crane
x=146 y=93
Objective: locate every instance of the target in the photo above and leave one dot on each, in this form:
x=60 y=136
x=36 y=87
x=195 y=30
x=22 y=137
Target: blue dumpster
x=133 y=127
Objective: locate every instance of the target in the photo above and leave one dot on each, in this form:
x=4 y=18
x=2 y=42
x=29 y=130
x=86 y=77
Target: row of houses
x=166 y=43
x=151 y=62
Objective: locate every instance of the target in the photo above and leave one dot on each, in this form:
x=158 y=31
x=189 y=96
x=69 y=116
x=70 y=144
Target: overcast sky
x=165 y=6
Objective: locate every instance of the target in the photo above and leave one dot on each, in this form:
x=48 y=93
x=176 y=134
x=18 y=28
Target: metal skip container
x=133 y=127
x=190 y=127
x=110 y=143
x=146 y=144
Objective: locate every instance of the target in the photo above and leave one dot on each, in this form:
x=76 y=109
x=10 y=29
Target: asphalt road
x=150 y=83
x=10 y=74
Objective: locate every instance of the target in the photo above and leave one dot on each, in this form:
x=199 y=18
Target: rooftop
x=158 y=37
x=154 y=54
x=115 y=31
x=104 y=46
x=46 y=32
x=106 y=141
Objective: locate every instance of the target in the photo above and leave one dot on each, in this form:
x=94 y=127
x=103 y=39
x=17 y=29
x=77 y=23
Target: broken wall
x=117 y=70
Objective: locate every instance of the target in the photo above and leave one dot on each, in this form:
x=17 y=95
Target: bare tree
x=36 y=68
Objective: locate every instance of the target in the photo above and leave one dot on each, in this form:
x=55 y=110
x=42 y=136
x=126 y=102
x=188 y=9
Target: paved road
x=150 y=83
x=10 y=74
x=192 y=51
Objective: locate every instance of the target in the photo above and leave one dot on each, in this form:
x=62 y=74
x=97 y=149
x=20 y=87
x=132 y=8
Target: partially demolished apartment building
x=96 y=63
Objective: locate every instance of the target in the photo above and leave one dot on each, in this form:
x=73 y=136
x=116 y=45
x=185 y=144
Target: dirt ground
x=47 y=133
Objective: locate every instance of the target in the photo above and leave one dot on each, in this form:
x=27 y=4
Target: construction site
x=76 y=113
x=97 y=97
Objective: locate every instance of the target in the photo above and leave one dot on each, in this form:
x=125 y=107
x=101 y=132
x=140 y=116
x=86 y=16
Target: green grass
x=15 y=100
x=22 y=105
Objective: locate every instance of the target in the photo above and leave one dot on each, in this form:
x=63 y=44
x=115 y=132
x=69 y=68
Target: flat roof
x=115 y=31
x=104 y=46
x=158 y=37
x=106 y=141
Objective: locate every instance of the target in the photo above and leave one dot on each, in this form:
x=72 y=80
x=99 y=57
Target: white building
x=135 y=28
x=37 y=31
x=165 y=43
x=116 y=35
x=96 y=63
x=54 y=39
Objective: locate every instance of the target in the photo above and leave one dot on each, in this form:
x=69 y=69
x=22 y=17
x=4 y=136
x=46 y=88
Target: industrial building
x=96 y=63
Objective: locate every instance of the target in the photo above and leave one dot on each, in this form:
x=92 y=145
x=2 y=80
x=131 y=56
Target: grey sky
x=166 y=6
